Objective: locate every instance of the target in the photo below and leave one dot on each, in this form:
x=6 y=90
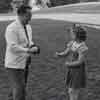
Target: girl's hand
x=67 y=64
x=57 y=54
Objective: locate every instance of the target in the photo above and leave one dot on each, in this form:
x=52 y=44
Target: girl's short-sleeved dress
x=76 y=75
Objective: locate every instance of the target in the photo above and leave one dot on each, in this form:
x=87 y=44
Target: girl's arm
x=64 y=53
x=81 y=58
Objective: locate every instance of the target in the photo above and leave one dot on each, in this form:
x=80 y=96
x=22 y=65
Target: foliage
x=5 y=5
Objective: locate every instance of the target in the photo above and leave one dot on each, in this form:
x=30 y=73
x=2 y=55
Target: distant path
x=83 y=13
x=71 y=17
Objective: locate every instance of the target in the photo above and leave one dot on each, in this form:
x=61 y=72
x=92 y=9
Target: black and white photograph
x=49 y=50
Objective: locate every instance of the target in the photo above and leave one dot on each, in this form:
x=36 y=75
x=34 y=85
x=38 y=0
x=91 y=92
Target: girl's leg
x=76 y=94
x=70 y=92
x=73 y=93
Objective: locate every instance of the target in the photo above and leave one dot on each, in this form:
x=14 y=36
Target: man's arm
x=30 y=33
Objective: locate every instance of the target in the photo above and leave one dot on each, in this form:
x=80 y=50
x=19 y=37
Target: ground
x=47 y=73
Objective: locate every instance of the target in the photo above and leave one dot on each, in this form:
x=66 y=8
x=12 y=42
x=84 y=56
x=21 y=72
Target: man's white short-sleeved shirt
x=16 y=45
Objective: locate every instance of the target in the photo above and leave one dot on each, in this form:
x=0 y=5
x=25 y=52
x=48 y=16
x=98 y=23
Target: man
x=19 y=48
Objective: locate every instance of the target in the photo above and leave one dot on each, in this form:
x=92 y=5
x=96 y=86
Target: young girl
x=76 y=52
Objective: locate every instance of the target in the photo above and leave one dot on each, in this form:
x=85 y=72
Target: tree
x=5 y=5
x=62 y=2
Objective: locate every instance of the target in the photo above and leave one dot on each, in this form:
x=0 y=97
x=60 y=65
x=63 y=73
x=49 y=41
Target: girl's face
x=72 y=34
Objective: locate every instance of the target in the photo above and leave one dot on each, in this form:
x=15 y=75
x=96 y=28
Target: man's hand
x=34 y=49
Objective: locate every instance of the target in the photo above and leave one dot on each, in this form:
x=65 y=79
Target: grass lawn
x=46 y=77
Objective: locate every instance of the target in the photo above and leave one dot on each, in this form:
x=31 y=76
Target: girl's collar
x=78 y=42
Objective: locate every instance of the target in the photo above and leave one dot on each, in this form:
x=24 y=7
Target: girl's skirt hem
x=76 y=77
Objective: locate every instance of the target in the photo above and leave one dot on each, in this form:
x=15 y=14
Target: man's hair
x=23 y=9
x=80 y=32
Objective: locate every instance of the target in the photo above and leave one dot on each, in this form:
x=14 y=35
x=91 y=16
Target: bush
x=5 y=6
x=62 y=2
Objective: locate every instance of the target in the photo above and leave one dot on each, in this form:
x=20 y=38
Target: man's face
x=26 y=17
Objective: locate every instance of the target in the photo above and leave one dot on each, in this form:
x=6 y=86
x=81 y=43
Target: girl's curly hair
x=80 y=32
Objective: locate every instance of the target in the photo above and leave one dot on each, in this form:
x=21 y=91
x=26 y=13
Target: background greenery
x=5 y=5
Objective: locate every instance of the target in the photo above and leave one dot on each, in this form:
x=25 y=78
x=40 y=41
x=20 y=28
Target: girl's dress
x=76 y=75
